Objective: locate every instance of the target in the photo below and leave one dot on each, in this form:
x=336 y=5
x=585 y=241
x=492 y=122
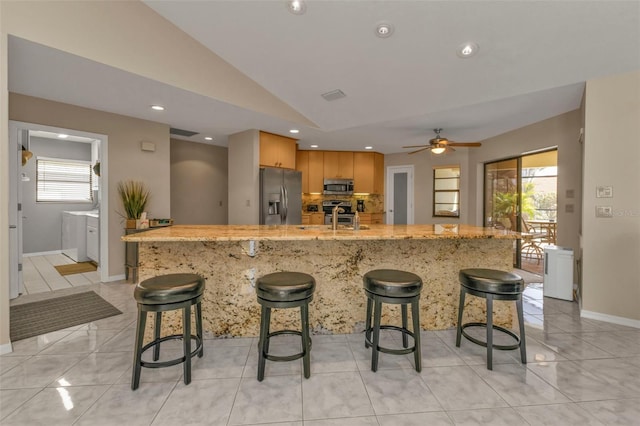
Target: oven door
x=343 y=219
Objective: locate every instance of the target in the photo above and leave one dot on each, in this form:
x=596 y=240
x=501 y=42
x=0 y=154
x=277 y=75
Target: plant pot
x=131 y=224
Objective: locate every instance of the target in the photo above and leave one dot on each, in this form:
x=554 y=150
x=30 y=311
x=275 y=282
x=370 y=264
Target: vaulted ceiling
x=533 y=60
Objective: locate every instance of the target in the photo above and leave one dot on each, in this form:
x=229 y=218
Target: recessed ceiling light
x=297 y=7
x=157 y=107
x=314 y=146
x=63 y=136
x=368 y=147
x=208 y=138
x=294 y=131
x=384 y=30
x=467 y=50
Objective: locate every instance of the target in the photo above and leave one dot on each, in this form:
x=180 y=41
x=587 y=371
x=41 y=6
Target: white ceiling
x=533 y=61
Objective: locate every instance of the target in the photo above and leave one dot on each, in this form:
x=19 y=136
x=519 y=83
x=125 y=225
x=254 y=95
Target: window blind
x=60 y=180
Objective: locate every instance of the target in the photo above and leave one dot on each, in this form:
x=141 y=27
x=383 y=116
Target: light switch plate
x=568 y=208
x=604 y=211
x=604 y=191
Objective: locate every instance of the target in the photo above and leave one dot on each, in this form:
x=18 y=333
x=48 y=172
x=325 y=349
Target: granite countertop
x=314 y=232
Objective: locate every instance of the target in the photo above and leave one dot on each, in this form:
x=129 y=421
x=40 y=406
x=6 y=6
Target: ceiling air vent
x=333 y=95
x=181 y=132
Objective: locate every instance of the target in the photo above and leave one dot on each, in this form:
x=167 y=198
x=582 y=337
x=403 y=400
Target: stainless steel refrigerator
x=280 y=196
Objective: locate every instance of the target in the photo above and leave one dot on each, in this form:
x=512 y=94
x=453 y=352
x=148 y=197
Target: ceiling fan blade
x=470 y=144
x=416 y=146
x=419 y=150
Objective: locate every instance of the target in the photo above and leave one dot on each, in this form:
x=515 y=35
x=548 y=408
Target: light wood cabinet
x=378 y=173
x=365 y=218
x=370 y=218
x=317 y=218
x=313 y=218
x=310 y=164
x=338 y=164
x=316 y=171
x=368 y=172
x=302 y=165
x=277 y=151
x=376 y=218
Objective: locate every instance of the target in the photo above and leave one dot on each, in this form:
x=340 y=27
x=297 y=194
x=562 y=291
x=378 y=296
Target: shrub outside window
x=63 y=181
x=446 y=191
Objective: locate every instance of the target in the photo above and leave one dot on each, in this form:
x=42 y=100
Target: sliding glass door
x=502 y=197
x=520 y=194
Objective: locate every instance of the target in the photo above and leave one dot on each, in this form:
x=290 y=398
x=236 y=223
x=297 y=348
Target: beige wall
x=244 y=178
x=611 y=246
x=112 y=33
x=199 y=183
x=125 y=158
x=561 y=131
x=423 y=164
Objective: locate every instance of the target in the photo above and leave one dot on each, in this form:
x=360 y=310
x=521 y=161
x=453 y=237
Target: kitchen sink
x=328 y=227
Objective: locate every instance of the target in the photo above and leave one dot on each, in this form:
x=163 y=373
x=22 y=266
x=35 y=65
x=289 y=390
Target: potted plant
x=134 y=196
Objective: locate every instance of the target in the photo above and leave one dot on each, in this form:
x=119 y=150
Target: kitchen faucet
x=334 y=217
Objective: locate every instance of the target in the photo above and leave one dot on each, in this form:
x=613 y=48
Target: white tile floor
x=580 y=372
x=40 y=276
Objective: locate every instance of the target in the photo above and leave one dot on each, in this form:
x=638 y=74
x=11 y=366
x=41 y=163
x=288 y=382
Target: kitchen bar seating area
x=579 y=372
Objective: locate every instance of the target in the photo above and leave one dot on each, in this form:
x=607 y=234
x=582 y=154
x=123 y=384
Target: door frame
x=16 y=126
x=389 y=195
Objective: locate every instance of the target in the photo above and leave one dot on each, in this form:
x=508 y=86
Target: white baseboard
x=42 y=253
x=6 y=348
x=610 y=318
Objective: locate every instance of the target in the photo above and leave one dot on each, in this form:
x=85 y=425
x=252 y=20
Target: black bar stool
x=395 y=287
x=492 y=284
x=167 y=293
x=284 y=290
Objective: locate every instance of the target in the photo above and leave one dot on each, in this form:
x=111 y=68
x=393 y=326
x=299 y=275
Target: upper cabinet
x=311 y=164
x=368 y=172
x=277 y=151
x=338 y=165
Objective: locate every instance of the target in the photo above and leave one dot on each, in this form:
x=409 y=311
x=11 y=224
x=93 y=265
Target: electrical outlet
x=252 y=248
x=568 y=208
x=604 y=211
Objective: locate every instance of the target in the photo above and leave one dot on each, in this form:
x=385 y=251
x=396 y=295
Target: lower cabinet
x=317 y=218
x=370 y=218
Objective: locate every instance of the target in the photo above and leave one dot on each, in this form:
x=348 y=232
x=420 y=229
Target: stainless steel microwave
x=338 y=187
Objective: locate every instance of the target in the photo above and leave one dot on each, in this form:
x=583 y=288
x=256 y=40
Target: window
x=60 y=180
x=446 y=191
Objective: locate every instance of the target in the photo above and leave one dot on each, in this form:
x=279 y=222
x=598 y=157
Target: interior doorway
x=399 y=195
x=19 y=142
x=520 y=194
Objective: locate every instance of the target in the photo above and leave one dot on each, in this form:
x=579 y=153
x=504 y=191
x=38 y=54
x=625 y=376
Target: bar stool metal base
x=374 y=306
x=514 y=293
x=186 y=338
x=265 y=335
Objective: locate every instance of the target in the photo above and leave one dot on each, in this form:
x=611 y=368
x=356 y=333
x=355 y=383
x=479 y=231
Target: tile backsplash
x=372 y=203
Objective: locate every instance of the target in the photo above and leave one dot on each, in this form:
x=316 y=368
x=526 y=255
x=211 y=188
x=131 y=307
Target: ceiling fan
x=438 y=145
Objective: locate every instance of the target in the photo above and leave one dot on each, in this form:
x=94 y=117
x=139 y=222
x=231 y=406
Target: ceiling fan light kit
x=440 y=145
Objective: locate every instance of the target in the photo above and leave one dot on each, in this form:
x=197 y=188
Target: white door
x=399 y=199
x=19 y=139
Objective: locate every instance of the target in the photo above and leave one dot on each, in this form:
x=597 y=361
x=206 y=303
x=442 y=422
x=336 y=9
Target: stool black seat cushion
x=491 y=281
x=170 y=288
x=285 y=286
x=392 y=283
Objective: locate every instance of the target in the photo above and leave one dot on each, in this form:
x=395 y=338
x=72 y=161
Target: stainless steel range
x=345 y=216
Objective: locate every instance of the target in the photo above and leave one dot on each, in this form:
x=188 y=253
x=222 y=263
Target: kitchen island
x=232 y=257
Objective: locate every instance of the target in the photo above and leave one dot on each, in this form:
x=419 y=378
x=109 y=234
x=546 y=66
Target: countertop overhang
x=315 y=232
